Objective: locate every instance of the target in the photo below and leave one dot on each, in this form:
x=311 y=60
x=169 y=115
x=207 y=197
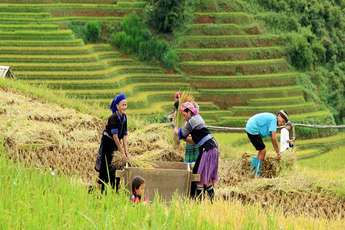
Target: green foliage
x=218 y=5
x=279 y=23
x=315 y=35
x=169 y=59
x=332 y=89
x=89 y=32
x=299 y=52
x=135 y=37
x=77 y=28
x=165 y=15
x=92 y=31
x=324 y=18
x=108 y=28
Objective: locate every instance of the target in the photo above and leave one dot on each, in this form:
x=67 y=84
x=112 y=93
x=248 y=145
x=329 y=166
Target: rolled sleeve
x=114 y=131
x=185 y=131
x=179 y=134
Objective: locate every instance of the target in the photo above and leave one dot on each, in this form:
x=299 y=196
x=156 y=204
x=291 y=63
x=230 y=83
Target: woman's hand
x=175 y=130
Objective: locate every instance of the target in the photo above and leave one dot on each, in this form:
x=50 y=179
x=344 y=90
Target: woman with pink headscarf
x=206 y=165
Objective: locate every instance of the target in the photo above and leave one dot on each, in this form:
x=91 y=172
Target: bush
x=89 y=32
x=78 y=29
x=165 y=15
x=121 y=40
x=146 y=51
x=319 y=52
x=279 y=23
x=108 y=28
x=92 y=31
x=135 y=37
x=170 y=59
x=299 y=51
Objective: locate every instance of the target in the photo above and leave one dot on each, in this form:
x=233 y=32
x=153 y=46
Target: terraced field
x=233 y=63
x=232 y=66
x=36 y=43
x=74 y=10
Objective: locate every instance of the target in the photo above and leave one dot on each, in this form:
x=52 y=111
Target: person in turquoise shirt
x=264 y=125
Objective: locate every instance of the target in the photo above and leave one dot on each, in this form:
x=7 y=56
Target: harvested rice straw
x=142 y=161
x=43 y=134
x=271 y=167
x=179 y=121
x=185 y=96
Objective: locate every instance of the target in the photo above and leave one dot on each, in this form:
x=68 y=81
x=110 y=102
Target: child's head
x=282 y=117
x=138 y=186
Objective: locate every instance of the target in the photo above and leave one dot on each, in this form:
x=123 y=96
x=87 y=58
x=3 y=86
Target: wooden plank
x=120 y=173
x=195 y=177
x=170 y=165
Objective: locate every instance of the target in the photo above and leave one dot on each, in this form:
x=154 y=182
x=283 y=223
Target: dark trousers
x=195 y=171
x=107 y=172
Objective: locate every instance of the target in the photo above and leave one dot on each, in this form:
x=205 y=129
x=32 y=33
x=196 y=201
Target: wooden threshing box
x=165 y=178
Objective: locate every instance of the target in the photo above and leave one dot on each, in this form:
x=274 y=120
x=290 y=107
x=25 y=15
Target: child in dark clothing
x=138 y=190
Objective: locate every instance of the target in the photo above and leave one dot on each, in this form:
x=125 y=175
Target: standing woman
x=114 y=138
x=207 y=162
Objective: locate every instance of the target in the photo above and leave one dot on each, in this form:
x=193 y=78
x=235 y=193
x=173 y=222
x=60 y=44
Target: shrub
x=299 y=51
x=279 y=23
x=78 y=29
x=165 y=15
x=136 y=38
x=146 y=51
x=89 y=32
x=92 y=31
x=170 y=59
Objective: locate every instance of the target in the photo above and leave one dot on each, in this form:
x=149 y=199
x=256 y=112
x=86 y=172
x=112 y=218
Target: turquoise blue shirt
x=262 y=124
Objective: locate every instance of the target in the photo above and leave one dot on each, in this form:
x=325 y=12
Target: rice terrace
x=165 y=114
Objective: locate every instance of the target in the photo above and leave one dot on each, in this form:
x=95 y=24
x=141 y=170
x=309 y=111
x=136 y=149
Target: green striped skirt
x=191 y=153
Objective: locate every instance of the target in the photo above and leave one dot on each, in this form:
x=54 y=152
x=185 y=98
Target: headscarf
x=193 y=107
x=117 y=99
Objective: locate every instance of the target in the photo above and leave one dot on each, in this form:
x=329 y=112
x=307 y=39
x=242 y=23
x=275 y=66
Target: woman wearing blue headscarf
x=114 y=138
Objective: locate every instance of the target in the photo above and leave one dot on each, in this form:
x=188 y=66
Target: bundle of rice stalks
x=271 y=166
x=185 y=96
x=179 y=120
x=120 y=162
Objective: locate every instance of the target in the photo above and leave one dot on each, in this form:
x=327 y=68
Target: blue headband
x=118 y=98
